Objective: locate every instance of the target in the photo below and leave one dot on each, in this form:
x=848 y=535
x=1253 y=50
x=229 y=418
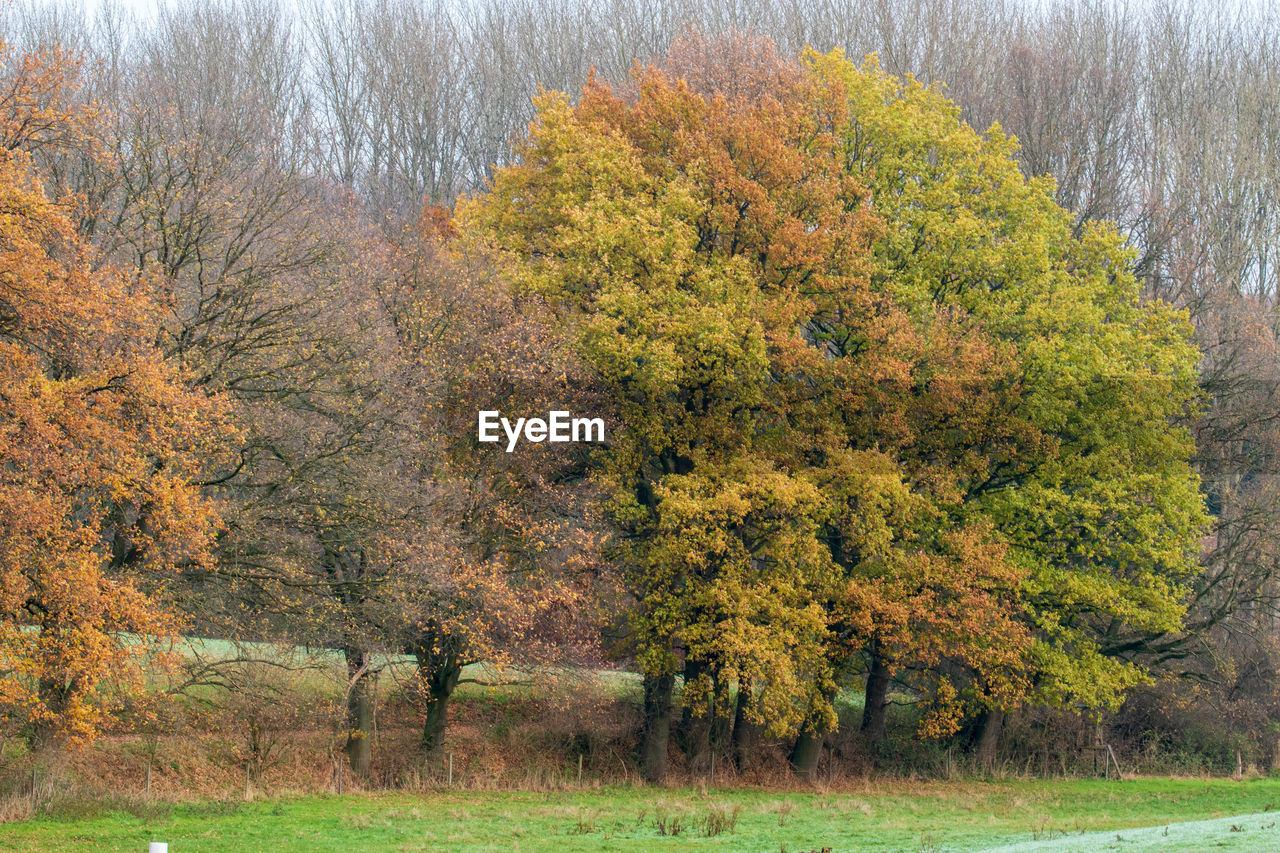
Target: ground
x=1022 y=815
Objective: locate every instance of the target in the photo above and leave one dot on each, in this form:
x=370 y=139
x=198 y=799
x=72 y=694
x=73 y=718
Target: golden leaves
x=95 y=430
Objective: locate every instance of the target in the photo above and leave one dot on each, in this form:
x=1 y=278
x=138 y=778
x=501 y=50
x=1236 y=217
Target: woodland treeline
x=958 y=392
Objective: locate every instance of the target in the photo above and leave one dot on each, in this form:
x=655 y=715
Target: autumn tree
x=501 y=549
x=1090 y=484
x=710 y=249
x=266 y=279
x=101 y=440
x=844 y=405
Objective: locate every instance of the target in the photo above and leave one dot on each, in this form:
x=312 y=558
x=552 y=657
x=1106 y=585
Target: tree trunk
x=806 y=752
x=989 y=740
x=439 y=692
x=876 y=699
x=439 y=668
x=361 y=683
x=722 y=719
x=42 y=732
x=807 y=749
x=744 y=731
x=696 y=717
x=657 y=726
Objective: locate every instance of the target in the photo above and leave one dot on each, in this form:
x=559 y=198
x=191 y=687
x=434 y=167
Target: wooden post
x=451 y=770
x=148 y=778
x=246 y=781
x=1111 y=757
x=579 y=769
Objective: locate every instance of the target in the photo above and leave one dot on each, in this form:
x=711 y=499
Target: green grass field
x=1028 y=816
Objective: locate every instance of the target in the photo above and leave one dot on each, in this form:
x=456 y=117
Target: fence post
x=1111 y=756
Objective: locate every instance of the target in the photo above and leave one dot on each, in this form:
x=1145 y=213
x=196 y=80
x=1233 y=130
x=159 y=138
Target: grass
x=1237 y=833
x=935 y=816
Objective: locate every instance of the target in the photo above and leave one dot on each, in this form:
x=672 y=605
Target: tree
x=671 y=231
x=500 y=550
x=1090 y=484
x=855 y=358
x=710 y=250
x=101 y=438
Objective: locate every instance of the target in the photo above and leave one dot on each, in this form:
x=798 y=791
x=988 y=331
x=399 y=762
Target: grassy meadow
x=1188 y=814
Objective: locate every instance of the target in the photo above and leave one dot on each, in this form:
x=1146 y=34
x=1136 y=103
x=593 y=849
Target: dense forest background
x=280 y=181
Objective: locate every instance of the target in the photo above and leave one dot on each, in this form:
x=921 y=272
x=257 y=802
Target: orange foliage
x=35 y=91
x=95 y=436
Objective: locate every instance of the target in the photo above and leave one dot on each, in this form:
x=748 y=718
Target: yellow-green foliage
x=875 y=390
x=1099 y=502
